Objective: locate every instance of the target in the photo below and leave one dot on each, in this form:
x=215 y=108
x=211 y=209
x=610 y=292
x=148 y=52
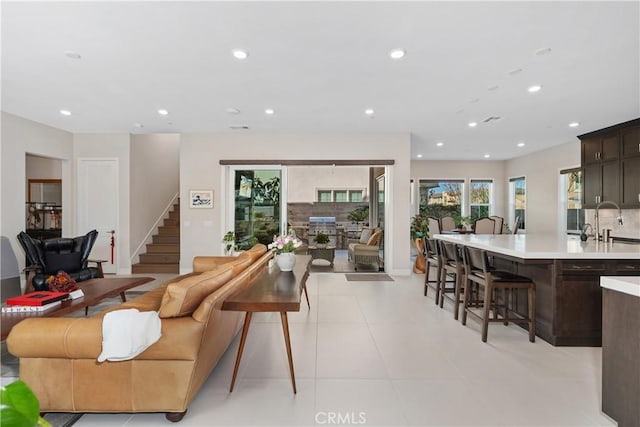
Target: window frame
x=512 y=202
x=463 y=190
x=563 y=206
x=490 y=203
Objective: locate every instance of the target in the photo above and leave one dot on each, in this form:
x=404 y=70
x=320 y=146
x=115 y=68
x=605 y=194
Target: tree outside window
x=518 y=200
x=440 y=198
x=480 y=198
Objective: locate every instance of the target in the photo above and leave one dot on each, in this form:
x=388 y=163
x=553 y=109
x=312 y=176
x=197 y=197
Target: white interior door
x=98 y=207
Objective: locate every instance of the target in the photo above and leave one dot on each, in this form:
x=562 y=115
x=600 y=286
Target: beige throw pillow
x=183 y=297
x=365 y=235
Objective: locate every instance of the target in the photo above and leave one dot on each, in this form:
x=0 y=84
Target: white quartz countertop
x=626 y=284
x=545 y=246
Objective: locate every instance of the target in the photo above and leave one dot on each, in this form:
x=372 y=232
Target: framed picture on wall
x=201 y=199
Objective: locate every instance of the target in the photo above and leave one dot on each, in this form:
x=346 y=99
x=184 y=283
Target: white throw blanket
x=127 y=333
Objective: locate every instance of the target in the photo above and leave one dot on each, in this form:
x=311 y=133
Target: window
x=439 y=197
x=324 y=196
x=341 y=195
x=571 y=199
x=517 y=201
x=355 y=196
x=480 y=198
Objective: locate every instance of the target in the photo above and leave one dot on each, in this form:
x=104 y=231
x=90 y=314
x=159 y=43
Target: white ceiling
x=321 y=64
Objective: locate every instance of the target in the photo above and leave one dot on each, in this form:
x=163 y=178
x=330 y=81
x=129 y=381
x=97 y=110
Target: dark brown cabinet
x=630 y=182
x=630 y=141
x=611 y=165
x=601 y=149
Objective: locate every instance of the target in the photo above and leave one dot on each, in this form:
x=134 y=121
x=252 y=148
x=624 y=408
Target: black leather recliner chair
x=47 y=257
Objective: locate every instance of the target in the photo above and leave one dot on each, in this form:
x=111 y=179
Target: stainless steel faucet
x=606 y=202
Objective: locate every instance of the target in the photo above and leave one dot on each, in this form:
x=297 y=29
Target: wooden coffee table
x=95 y=290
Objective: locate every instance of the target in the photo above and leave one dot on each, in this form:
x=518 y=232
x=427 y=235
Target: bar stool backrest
x=450 y=253
x=476 y=261
x=431 y=248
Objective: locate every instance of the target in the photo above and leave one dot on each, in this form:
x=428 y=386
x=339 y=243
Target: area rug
x=61 y=419
x=368 y=277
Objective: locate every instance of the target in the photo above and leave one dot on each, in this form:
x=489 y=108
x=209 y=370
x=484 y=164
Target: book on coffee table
x=30 y=308
x=38 y=298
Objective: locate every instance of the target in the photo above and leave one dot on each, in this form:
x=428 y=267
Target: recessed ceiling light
x=65 y=112
x=397 y=53
x=520 y=144
x=240 y=54
x=574 y=124
x=515 y=71
x=232 y=110
x=163 y=112
x=439 y=144
x=543 y=51
x=492 y=88
x=534 y=88
x=71 y=54
x=486 y=156
x=269 y=111
x=369 y=112
x=473 y=124
x=138 y=125
x=419 y=156
x=475 y=100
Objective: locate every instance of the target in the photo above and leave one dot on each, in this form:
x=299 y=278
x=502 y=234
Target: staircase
x=163 y=255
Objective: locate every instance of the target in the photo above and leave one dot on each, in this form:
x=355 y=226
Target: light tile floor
x=379 y=353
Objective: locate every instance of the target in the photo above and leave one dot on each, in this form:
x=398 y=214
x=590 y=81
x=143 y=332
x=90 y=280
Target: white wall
x=430 y=169
x=21 y=137
x=42 y=168
x=111 y=146
x=155 y=178
x=304 y=181
x=202 y=229
x=542 y=171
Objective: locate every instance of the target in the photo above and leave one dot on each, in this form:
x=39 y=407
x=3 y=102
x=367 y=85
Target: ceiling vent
x=491 y=119
x=242 y=127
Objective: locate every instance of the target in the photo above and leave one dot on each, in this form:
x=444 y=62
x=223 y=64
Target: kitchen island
x=621 y=349
x=567 y=274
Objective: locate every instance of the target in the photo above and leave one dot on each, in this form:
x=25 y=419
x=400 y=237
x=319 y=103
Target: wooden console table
x=272 y=291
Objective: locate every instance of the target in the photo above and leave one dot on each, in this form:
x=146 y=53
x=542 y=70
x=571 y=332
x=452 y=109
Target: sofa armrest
x=81 y=338
x=63 y=337
x=208 y=263
x=98 y=263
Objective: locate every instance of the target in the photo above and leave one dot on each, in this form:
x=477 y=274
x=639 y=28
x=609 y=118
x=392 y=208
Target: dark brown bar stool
x=452 y=264
x=478 y=271
x=432 y=257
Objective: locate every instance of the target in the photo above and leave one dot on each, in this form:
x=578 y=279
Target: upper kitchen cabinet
x=602 y=148
x=610 y=160
x=630 y=141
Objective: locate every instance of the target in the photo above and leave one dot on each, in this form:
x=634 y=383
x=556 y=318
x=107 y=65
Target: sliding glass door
x=258 y=201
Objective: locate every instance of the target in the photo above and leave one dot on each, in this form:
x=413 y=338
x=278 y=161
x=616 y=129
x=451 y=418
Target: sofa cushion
x=240 y=263
x=67 y=262
x=365 y=235
x=256 y=251
x=183 y=297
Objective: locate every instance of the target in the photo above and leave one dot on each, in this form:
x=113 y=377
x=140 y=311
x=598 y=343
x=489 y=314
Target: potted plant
x=321 y=240
x=229 y=241
x=462 y=222
x=19 y=406
x=419 y=226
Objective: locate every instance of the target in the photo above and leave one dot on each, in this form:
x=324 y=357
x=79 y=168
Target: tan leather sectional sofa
x=58 y=355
